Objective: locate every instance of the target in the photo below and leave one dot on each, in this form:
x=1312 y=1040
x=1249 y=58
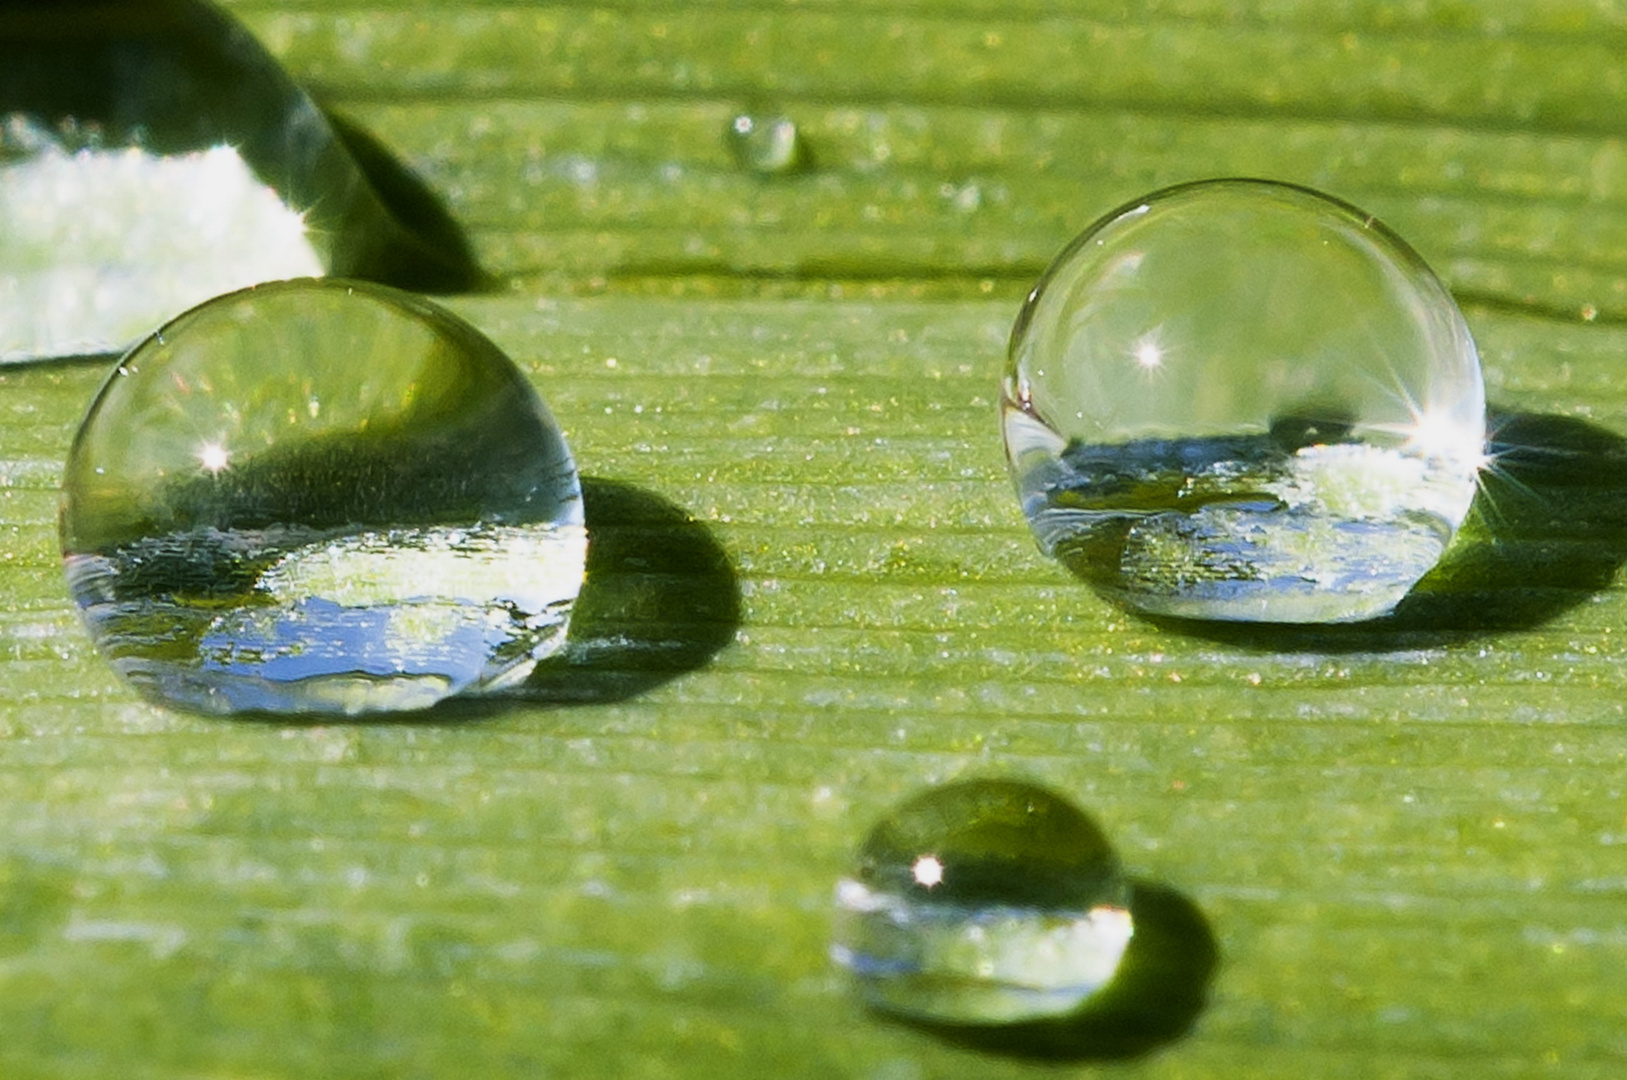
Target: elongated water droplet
x=983 y=902
x=152 y=155
x=1244 y=400
x=321 y=496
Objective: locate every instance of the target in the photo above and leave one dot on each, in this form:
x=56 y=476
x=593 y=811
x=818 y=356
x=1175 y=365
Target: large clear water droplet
x=153 y=155
x=321 y=496
x=983 y=902
x=1244 y=400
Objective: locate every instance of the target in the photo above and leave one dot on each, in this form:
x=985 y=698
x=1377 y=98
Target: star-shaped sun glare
x=214 y=457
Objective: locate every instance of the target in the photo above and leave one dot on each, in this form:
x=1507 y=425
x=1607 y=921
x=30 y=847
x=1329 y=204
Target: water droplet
x=417 y=535
x=983 y=902
x=147 y=164
x=767 y=144
x=1244 y=400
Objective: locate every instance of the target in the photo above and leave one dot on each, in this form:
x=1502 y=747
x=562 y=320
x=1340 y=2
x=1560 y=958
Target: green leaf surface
x=1409 y=843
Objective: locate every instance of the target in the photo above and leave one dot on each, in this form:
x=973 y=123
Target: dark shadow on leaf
x=1547 y=531
x=433 y=255
x=1161 y=987
x=104 y=360
x=661 y=599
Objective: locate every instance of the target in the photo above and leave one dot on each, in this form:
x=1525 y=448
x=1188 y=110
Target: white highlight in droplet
x=928 y=871
x=214 y=457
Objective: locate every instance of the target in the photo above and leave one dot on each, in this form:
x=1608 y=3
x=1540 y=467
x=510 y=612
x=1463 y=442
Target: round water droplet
x=321 y=496
x=764 y=143
x=154 y=155
x=1244 y=400
x=983 y=902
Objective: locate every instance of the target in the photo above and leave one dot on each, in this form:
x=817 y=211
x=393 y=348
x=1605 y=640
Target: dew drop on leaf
x=983 y=902
x=1243 y=400
x=321 y=496
x=767 y=144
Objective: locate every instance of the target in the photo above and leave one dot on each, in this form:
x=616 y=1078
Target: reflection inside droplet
x=233 y=549
x=1244 y=400
x=983 y=902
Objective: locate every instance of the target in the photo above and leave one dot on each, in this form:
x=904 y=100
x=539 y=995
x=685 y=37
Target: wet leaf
x=1406 y=840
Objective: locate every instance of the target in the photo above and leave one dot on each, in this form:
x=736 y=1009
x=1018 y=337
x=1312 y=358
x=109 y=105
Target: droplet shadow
x=101 y=360
x=432 y=253
x=1547 y=531
x=660 y=598
x=1159 y=991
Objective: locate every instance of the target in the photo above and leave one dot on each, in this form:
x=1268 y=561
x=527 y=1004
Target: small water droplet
x=983 y=902
x=1244 y=400
x=147 y=164
x=233 y=549
x=765 y=143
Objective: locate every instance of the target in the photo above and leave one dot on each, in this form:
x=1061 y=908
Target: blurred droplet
x=764 y=143
x=153 y=155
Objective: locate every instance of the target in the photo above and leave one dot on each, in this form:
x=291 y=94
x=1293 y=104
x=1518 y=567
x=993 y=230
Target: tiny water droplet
x=1244 y=400
x=233 y=549
x=983 y=902
x=154 y=155
x=765 y=143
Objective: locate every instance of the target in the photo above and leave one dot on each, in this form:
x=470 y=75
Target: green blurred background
x=813 y=592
